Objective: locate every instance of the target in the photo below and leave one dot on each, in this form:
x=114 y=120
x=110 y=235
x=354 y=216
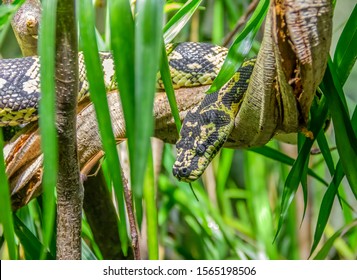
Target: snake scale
x=205 y=128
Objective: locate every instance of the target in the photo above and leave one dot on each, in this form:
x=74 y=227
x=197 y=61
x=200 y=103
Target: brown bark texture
x=69 y=186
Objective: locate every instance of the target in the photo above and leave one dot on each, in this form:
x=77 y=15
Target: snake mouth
x=184 y=174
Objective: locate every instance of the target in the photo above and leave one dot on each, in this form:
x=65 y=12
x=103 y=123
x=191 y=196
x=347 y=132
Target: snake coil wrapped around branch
x=289 y=67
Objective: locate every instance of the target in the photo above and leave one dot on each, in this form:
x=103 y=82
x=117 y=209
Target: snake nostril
x=175 y=171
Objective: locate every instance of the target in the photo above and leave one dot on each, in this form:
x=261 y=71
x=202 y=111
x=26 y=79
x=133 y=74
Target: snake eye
x=183 y=172
x=200 y=149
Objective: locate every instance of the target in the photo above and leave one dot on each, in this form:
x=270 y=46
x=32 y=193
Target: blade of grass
x=148 y=43
x=233 y=10
x=319 y=114
x=98 y=96
x=326 y=205
x=171 y=29
x=47 y=119
x=323 y=252
x=169 y=89
x=122 y=40
x=179 y=20
x=218 y=23
x=346 y=50
x=122 y=32
x=344 y=59
x=7 y=11
x=328 y=199
x=6 y=213
x=241 y=46
x=283 y=158
x=326 y=152
x=87 y=253
x=346 y=140
x=151 y=211
x=303 y=178
x=225 y=163
x=33 y=247
x=122 y=43
x=255 y=180
x=186 y=201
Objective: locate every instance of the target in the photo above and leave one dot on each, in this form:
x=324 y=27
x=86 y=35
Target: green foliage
x=250 y=204
x=98 y=97
x=47 y=124
x=241 y=46
x=7 y=12
x=5 y=214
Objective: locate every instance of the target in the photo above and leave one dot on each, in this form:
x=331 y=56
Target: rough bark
x=69 y=186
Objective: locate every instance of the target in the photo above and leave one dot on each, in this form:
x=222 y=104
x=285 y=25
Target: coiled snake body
x=205 y=128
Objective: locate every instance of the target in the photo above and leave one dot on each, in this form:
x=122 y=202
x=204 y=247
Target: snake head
x=202 y=135
x=207 y=127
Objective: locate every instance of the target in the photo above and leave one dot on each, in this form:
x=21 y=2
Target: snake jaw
x=197 y=165
x=193 y=159
x=180 y=174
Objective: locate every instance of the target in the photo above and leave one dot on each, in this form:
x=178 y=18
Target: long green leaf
x=218 y=23
x=225 y=162
x=169 y=89
x=32 y=245
x=178 y=21
x=346 y=50
x=6 y=212
x=241 y=46
x=148 y=43
x=256 y=184
x=87 y=253
x=344 y=59
x=303 y=178
x=7 y=11
x=326 y=152
x=346 y=140
x=319 y=115
x=151 y=211
x=323 y=252
x=329 y=197
x=47 y=119
x=283 y=158
x=122 y=35
x=326 y=205
x=98 y=96
x=171 y=29
x=123 y=46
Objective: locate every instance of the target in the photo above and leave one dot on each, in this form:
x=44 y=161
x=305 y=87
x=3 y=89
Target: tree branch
x=25 y=24
x=131 y=217
x=102 y=218
x=240 y=22
x=69 y=187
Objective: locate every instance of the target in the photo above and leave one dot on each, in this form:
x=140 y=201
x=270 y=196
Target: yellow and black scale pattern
x=20 y=87
x=191 y=64
x=204 y=130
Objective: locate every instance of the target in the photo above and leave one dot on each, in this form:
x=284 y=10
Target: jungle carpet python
x=205 y=128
